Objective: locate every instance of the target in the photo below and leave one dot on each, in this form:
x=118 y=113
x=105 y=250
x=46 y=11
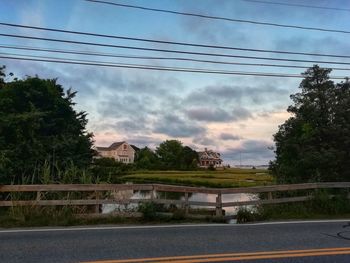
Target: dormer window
x=125 y=147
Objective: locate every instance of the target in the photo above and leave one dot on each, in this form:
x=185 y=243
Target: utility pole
x=240 y=159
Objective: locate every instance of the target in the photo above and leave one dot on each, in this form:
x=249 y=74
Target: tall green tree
x=190 y=159
x=169 y=153
x=174 y=156
x=147 y=159
x=39 y=124
x=313 y=145
x=2 y=76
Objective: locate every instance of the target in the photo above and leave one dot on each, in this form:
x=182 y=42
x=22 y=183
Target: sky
x=234 y=115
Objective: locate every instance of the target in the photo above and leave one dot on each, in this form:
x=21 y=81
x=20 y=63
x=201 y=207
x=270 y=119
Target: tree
x=169 y=153
x=39 y=124
x=174 y=156
x=2 y=75
x=313 y=145
x=190 y=159
x=147 y=159
x=109 y=170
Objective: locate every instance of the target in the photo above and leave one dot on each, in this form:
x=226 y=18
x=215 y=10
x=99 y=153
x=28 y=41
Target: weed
x=245 y=215
x=221 y=178
x=148 y=210
x=322 y=204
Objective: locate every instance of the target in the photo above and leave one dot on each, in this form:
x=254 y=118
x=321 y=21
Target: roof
x=209 y=154
x=136 y=149
x=113 y=146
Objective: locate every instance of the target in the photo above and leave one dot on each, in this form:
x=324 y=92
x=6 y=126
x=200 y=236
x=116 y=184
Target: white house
x=120 y=151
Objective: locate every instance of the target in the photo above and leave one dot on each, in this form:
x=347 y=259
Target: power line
x=298 y=5
x=171 y=42
x=150 y=67
x=75 y=52
x=219 y=18
x=171 y=51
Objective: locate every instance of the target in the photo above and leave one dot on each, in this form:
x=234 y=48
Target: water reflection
x=122 y=196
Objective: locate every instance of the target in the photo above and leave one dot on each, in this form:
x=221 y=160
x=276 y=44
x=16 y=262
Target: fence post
x=153 y=193
x=269 y=196
x=219 y=204
x=186 y=203
x=38 y=196
x=97 y=206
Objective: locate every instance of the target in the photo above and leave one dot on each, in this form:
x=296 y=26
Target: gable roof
x=113 y=146
x=136 y=149
x=209 y=154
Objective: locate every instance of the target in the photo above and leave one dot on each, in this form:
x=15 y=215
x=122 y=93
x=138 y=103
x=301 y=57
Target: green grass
x=64 y=216
x=232 y=177
x=323 y=204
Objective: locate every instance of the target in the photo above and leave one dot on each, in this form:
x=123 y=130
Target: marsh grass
x=323 y=204
x=233 y=177
x=48 y=215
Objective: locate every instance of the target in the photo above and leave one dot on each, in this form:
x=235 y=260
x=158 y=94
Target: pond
x=130 y=194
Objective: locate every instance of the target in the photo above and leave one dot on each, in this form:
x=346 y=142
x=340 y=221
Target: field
x=232 y=177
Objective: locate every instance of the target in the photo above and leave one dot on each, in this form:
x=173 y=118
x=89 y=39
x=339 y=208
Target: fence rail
x=99 y=194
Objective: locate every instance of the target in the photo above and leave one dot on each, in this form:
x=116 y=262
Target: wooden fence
x=99 y=194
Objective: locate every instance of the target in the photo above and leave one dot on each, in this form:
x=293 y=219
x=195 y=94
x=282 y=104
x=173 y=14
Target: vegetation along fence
x=95 y=195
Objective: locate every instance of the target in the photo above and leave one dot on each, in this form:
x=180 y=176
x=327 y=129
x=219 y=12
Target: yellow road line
x=235 y=256
x=292 y=255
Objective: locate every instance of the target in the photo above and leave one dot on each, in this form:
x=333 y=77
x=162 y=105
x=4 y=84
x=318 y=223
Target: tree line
x=313 y=145
x=41 y=133
x=169 y=155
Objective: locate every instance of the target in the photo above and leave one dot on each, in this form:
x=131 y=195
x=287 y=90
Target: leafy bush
x=148 y=210
x=179 y=214
x=109 y=170
x=245 y=215
x=211 y=168
x=38 y=123
x=38 y=216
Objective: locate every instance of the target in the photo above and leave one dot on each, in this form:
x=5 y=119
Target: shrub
x=148 y=210
x=244 y=215
x=211 y=168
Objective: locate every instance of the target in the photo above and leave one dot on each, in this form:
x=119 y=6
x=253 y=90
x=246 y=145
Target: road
x=275 y=242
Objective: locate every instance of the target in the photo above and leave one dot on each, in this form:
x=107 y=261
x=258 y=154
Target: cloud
x=142 y=141
x=240 y=113
x=251 y=152
x=174 y=126
x=204 y=140
x=119 y=106
x=218 y=115
x=206 y=114
x=132 y=126
x=258 y=94
x=327 y=44
x=212 y=31
x=229 y=137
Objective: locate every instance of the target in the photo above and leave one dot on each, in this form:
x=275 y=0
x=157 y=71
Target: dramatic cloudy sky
x=236 y=115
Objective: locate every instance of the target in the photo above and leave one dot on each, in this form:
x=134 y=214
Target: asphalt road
x=278 y=242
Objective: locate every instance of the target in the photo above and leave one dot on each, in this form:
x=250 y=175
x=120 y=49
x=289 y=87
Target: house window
x=125 y=147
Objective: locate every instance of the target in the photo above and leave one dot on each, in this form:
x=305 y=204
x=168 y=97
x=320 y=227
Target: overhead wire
x=145 y=8
x=170 y=50
x=151 y=67
x=170 y=42
x=111 y=55
x=298 y=5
